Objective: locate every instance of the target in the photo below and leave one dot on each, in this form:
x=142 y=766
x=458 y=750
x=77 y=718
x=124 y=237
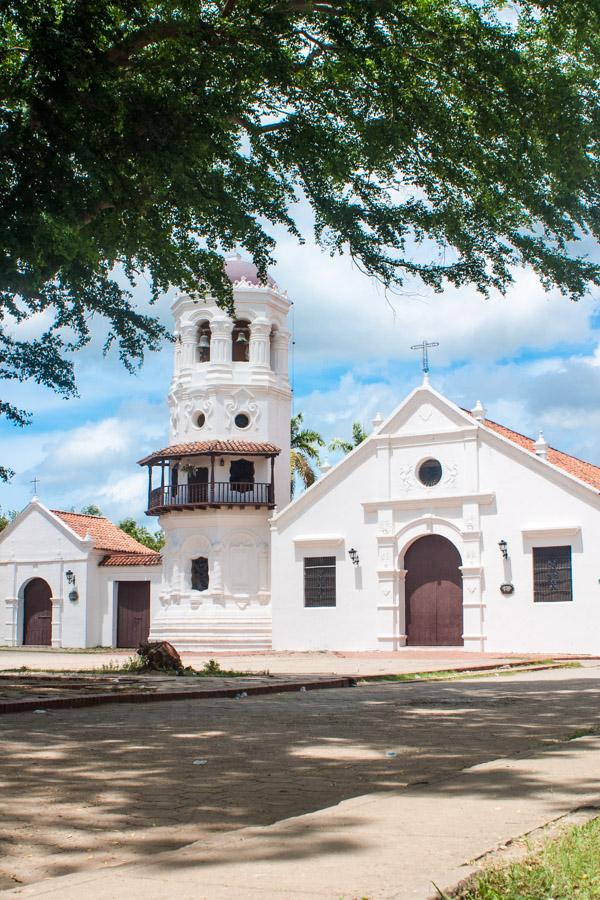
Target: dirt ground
x=103 y=785
x=408 y=659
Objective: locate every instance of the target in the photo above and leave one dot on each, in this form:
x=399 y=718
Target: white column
x=260 y=351
x=281 y=344
x=12 y=610
x=188 y=345
x=57 y=605
x=220 y=341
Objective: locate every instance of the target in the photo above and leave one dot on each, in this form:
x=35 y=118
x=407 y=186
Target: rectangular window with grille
x=552 y=580
x=319 y=581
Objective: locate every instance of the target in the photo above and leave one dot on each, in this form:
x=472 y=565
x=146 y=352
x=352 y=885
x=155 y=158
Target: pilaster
x=264 y=594
x=57 y=608
x=11 y=605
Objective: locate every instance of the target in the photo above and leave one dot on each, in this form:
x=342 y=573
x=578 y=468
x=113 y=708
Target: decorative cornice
x=427 y=500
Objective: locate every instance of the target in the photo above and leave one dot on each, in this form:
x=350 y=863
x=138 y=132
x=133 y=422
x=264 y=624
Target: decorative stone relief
x=241 y=401
x=451 y=471
x=426 y=412
x=405 y=476
x=205 y=406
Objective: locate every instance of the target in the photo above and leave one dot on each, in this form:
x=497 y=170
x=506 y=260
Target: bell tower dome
x=226 y=467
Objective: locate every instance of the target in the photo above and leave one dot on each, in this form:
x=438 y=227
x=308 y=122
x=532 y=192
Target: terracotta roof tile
x=578 y=468
x=197 y=448
x=106 y=535
x=132 y=559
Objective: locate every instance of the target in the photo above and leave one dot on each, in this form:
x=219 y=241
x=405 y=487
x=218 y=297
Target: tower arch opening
x=203 y=342
x=240 y=340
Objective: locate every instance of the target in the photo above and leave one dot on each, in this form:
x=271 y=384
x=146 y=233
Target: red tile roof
x=197 y=448
x=578 y=468
x=106 y=535
x=132 y=559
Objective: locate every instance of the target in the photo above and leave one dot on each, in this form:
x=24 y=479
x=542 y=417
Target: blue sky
x=532 y=358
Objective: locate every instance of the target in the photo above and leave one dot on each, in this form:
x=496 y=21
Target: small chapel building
x=442 y=529
x=69 y=579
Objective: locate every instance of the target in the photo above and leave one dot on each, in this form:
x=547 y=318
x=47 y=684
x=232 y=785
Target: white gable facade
x=439 y=531
x=74 y=582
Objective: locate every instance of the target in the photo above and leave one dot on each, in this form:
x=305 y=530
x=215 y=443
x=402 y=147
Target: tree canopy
x=305 y=443
x=155 y=540
x=450 y=140
x=358 y=436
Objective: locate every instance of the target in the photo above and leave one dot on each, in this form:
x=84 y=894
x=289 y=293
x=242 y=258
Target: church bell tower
x=226 y=468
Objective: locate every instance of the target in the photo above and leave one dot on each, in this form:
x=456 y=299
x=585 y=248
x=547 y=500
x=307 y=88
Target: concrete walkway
x=376 y=846
x=409 y=659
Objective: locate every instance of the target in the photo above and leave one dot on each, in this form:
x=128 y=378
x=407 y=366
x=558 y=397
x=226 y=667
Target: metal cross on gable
x=35 y=481
x=424 y=347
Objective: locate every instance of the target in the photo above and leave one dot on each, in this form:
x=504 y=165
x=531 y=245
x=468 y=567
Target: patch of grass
x=565 y=868
x=583 y=732
x=453 y=674
x=130 y=666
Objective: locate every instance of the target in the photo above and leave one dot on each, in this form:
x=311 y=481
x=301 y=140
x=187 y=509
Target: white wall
x=490 y=490
x=37 y=546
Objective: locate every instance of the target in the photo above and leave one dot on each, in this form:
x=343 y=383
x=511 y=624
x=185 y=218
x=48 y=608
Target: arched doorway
x=434 y=612
x=37 y=613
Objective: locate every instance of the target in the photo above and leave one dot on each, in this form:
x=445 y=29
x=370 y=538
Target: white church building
x=442 y=529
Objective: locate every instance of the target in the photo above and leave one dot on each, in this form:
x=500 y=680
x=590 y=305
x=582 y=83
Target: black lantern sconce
x=74 y=594
x=221 y=462
x=353 y=554
x=503 y=548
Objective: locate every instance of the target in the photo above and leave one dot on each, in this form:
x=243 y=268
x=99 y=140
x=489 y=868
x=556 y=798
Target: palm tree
x=358 y=436
x=304 y=444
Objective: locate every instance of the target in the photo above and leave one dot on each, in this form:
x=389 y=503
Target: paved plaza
x=89 y=788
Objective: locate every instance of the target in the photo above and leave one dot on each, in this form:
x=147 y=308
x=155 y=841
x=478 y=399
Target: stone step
x=214 y=634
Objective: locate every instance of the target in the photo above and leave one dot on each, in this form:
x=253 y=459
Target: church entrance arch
x=37 y=613
x=434 y=596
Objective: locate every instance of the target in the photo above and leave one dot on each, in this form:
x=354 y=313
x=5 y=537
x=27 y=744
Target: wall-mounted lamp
x=74 y=594
x=352 y=553
x=221 y=462
x=503 y=548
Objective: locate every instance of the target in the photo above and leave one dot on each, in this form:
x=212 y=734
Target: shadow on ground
x=99 y=786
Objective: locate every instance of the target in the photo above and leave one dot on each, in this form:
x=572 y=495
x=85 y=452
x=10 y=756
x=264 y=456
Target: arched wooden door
x=434 y=612
x=37 y=613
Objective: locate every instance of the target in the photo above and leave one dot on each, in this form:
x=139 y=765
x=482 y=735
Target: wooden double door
x=133 y=613
x=434 y=596
x=37 y=613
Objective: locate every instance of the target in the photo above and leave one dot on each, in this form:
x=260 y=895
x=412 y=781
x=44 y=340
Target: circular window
x=200 y=420
x=242 y=420
x=430 y=472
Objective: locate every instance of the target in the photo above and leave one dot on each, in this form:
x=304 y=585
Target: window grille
x=200 y=574
x=319 y=581
x=552 y=577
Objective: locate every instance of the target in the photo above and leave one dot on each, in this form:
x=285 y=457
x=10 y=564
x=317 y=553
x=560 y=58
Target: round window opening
x=430 y=472
x=242 y=420
x=200 y=420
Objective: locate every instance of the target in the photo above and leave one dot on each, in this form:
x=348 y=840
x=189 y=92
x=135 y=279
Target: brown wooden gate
x=37 y=613
x=133 y=615
x=434 y=612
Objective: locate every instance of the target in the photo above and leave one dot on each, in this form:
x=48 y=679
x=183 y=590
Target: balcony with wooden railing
x=202 y=496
